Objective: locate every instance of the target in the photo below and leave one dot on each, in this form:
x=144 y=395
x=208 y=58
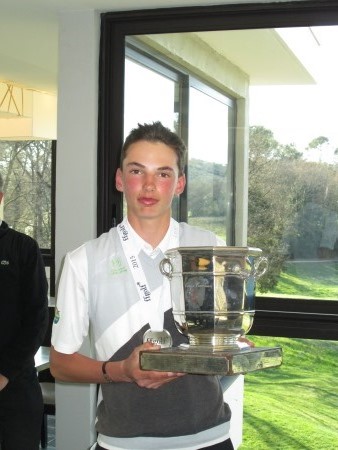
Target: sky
x=298 y=114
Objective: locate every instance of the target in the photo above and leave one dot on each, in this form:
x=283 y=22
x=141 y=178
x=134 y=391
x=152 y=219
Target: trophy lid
x=215 y=251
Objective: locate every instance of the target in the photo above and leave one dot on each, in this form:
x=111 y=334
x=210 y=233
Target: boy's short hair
x=156 y=132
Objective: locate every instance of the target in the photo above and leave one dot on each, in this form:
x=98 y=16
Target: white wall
x=76 y=191
x=77 y=130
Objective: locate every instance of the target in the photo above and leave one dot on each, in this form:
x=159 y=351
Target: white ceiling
x=29 y=40
x=262 y=54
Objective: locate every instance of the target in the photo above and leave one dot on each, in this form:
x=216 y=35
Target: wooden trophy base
x=210 y=362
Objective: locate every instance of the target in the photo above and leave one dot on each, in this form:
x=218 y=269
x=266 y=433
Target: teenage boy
x=113 y=285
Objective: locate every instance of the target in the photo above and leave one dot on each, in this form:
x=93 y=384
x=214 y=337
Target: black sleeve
x=27 y=325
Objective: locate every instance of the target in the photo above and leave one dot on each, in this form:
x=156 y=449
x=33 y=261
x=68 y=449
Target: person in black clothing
x=23 y=324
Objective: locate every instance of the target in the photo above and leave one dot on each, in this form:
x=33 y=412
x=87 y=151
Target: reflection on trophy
x=212 y=290
x=212 y=294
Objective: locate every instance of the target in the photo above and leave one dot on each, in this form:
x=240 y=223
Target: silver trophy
x=213 y=294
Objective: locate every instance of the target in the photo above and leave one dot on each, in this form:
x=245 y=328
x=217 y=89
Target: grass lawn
x=311 y=279
x=295 y=406
x=214 y=224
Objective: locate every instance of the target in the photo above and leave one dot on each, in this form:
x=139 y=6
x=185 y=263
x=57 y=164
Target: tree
x=315 y=222
x=26 y=169
x=207 y=189
x=319 y=143
x=293 y=203
x=263 y=145
x=288 y=152
x=271 y=199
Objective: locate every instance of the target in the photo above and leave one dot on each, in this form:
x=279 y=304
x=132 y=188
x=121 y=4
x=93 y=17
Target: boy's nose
x=149 y=187
x=149 y=184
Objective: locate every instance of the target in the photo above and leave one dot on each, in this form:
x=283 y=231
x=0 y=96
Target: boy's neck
x=150 y=230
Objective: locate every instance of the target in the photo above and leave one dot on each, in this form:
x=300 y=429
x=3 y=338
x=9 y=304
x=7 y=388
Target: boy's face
x=149 y=179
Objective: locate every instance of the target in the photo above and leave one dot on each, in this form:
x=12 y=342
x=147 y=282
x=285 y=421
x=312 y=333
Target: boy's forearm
x=82 y=369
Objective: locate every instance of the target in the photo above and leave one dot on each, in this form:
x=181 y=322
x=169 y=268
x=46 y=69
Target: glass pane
x=208 y=166
x=293 y=178
x=143 y=89
x=26 y=167
x=294 y=406
x=283 y=82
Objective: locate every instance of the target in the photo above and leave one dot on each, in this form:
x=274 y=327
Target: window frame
x=48 y=255
x=286 y=317
x=144 y=55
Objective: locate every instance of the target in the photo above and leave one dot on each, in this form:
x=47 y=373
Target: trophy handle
x=166 y=268
x=260 y=267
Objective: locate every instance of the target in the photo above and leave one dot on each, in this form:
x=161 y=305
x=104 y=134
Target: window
x=144 y=85
x=27 y=168
x=141 y=105
x=308 y=317
x=293 y=194
x=186 y=104
x=210 y=171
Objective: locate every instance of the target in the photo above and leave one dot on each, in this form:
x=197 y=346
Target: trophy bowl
x=213 y=292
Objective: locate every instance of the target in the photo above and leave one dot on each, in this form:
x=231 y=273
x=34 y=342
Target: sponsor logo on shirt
x=4 y=262
x=117 y=266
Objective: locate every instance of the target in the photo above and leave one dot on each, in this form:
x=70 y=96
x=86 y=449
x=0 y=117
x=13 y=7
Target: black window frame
x=311 y=319
x=48 y=254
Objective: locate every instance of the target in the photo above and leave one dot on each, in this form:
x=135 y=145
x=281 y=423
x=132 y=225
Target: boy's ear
x=118 y=180
x=181 y=182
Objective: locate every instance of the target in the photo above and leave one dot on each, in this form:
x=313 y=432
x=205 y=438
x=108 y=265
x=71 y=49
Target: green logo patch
x=117 y=266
